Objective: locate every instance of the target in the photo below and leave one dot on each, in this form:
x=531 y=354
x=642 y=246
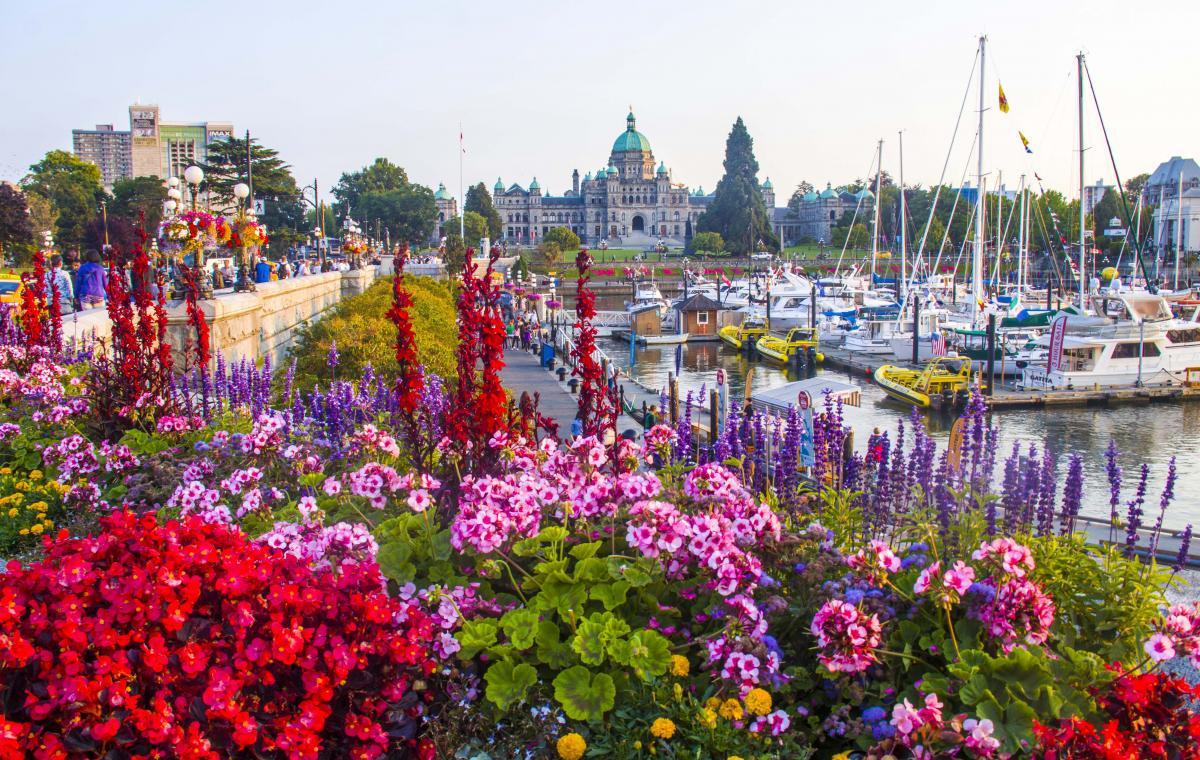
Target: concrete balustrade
x=244 y=325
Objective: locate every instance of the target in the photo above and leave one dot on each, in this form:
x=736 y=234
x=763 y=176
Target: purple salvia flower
x=1185 y=543
x=331 y=360
x=1134 y=515
x=1113 y=471
x=1010 y=497
x=1164 y=502
x=1072 y=494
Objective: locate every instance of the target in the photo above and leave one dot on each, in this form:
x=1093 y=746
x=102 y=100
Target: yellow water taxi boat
x=919 y=386
x=780 y=350
x=747 y=333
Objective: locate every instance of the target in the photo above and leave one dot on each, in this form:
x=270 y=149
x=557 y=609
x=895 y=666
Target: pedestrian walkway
x=523 y=373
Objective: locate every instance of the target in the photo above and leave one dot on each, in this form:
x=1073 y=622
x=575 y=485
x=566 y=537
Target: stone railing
x=245 y=325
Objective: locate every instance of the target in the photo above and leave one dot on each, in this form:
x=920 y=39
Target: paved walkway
x=523 y=372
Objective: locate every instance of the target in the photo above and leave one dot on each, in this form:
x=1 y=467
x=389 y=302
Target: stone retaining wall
x=245 y=325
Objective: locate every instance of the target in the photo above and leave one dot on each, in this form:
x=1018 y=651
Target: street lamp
x=241 y=191
x=194 y=175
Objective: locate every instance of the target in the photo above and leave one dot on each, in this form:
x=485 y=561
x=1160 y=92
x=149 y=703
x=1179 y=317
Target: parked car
x=11 y=289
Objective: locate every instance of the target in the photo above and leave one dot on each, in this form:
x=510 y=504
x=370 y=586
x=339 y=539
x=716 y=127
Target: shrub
x=365 y=336
x=185 y=639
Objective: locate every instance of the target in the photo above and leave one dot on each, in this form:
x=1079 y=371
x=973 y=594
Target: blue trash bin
x=547 y=354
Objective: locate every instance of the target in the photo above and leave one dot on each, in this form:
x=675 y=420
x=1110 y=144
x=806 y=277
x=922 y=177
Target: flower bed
x=399 y=566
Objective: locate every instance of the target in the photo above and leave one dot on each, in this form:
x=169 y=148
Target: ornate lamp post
x=244 y=282
x=194 y=175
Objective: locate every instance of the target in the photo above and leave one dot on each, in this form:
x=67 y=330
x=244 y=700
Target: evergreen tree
x=738 y=211
x=273 y=183
x=479 y=200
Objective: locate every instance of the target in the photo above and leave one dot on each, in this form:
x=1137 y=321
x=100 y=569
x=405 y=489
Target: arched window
x=677 y=216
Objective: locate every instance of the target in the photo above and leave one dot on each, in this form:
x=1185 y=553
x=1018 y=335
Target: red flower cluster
x=597 y=402
x=1149 y=716
x=33 y=301
x=189 y=640
x=410 y=380
x=478 y=407
x=191 y=283
x=139 y=367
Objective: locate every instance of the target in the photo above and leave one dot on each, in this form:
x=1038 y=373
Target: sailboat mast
x=1082 y=219
x=977 y=258
x=1000 y=225
x=1021 y=240
x=875 y=231
x=903 y=226
x=1178 y=230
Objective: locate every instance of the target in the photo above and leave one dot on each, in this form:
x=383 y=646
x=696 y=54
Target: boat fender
x=1022 y=364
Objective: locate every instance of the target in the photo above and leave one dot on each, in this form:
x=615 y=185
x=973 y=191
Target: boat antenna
x=1137 y=249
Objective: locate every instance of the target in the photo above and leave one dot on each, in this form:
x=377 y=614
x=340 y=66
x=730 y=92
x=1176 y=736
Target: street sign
x=804 y=401
x=260 y=207
x=720 y=376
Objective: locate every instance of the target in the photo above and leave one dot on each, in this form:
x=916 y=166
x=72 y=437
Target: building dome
x=441 y=194
x=612 y=171
x=767 y=185
x=662 y=168
x=828 y=192
x=810 y=197
x=864 y=194
x=534 y=185
x=587 y=177
x=499 y=187
x=631 y=140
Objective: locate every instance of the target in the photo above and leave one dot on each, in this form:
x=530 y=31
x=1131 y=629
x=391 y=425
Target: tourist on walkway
x=218 y=277
x=510 y=330
x=91 y=282
x=58 y=279
x=650 y=419
x=577 y=425
x=262 y=271
x=525 y=337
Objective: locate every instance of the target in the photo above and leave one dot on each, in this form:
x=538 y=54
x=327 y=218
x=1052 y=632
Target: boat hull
x=884 y=378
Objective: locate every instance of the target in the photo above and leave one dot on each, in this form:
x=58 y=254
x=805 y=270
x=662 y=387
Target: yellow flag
x=1003 y=100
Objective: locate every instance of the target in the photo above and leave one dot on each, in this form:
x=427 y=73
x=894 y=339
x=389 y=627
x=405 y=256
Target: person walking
x=218 y=279
x=91 y=282
x=262 y=271
x=57 y=279
x=510 y=330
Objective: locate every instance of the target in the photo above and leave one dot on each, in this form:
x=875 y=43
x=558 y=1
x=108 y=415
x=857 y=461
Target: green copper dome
x=534 y=185
x=767 y=185
x=441 y=194
x=499 y=187
x=828 y=192
x=662 y=168
x=631 y=139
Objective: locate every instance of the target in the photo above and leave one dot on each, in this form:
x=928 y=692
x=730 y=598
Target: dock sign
x=804 y=401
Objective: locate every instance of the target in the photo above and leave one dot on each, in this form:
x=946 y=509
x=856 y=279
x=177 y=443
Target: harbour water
x=1149 y=434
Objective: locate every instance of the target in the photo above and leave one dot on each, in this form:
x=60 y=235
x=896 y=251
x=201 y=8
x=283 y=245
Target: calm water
x=1150 y=434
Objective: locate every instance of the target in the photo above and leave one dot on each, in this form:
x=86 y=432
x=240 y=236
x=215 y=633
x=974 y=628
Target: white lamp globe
x=174 y=194
x=194 y=175
x=173 y=182
x=170 y=206
x=241 y=190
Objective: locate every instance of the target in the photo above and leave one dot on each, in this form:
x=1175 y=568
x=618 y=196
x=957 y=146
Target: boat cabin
x=698 y=316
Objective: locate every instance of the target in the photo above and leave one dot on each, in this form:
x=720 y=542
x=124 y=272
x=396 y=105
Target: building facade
x=447 y=209
x=630 y=202
x=108 y=149
x=1093 y=194
x=816 y=214
x=1175 y=213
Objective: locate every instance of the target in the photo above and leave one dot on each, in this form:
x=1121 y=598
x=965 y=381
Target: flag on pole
x=938 y=342
x=1025 y=142
x=1035 y=174
x=460 y=140
x=1003 y=100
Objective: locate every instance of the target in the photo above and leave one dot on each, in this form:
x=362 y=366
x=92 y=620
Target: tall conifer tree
x=738 y=211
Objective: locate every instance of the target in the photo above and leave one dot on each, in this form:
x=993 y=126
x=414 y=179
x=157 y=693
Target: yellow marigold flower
x=680 y=665
x=5 y=471
x=731 y=709
x=712 y=703
x=18 y=498
x=12 y=512
x=35 y=475
x=841 y=756
x=663 y=728
x=708 y=718
x=571 y=747
x=24 y=531
x=638 y=744
x=36 y=529
x=739 y=757
x=22 y=485
x=758 y=702
x=40 y=506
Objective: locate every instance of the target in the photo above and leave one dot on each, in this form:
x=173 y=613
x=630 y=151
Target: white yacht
x=1142 y=343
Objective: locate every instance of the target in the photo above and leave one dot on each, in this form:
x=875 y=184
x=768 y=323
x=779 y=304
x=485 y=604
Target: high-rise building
x=165 y=148
x=108 y=149
x=1093 y=194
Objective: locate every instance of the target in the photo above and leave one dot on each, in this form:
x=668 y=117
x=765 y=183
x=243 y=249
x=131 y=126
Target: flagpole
x=462 y=199
x=977 y=258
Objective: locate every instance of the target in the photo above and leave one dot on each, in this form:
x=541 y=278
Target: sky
x=541 y=87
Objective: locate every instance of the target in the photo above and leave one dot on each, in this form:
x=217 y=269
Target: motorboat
x=780 y=349
x=744 y=335
x=942 y=376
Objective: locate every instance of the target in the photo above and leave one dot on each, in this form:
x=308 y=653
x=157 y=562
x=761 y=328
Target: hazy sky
x=541 y=88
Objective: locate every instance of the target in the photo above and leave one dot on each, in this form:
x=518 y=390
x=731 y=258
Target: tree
x=409 y=213
x=708 y=242
x=272 y=182
x=1134 y=186
x=380 y=176
x=15 y=226
x=550 y=251
x=1108 y=208
x=137 y=198
x=455 y=254
x=803 y=189
x=737 y=210
x=859 y=236
x=72 y=186
x=479 y=200
x=475 y=225
x=566 y=239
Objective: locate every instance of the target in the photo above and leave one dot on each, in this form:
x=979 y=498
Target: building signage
x=1057 y=332
x=144 y=125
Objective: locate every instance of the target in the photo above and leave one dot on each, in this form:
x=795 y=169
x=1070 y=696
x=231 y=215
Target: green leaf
x=611 y=595
x=591 y=570
x=527 y=547
x=623 y=569
x=562 y=596
x=649 y=654
x=475 y=636
x=551 y=650
x=508 y=683
x=393 y=561
x=520 y=625
x=552 y=533
x=583 y=696
x=589 y=641
x=584 y=551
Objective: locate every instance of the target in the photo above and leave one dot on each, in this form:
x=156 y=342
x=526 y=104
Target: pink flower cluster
x=194 y=498
x=1006 y=555
x=449 y=607
x=371 y=439
x=776 y=723
x=266 y=434
x=1178 y=634
x=179 y=423
x=323 y=546
x=876 y=561
x=72 y=456
x=661 y=439
x=847 y=636
x=957 y=580
x=374 y=481
x=907 y=720
x=118 y=457
x=1013 y=609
